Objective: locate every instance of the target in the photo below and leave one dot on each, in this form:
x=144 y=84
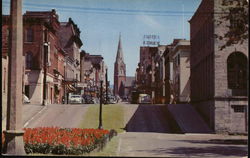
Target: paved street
x=144 y=144
x=61 y=115
x=148 y=135
x=148 y=118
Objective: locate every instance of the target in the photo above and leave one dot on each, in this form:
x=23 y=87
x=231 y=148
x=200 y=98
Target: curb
x=36 y=114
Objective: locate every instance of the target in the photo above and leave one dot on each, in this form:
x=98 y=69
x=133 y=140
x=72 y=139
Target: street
x=149 y=118
x=61 y=115
x=144 y=144
x=149 y=131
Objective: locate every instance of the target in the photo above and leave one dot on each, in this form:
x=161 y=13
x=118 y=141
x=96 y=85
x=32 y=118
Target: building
x=93 y=70
x=158 y=75
x=40 y=29
x=129 y=86
x=181 y=71
x=171 y=88
x=119 y=71
x=39 y=38
x=218 y=63
x=145 y=71
x=69 y=38
x=5 y=59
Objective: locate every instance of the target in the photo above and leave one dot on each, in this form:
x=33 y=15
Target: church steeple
x=119 y=55
x=119 y=71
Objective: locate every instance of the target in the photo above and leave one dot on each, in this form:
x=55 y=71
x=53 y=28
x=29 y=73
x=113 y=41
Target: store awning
x=70 y=88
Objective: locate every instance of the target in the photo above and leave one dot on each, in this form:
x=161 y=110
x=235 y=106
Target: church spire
x=119 y=55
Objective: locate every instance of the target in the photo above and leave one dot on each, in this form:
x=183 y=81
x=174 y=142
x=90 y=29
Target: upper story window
x=29 y=35
x=29 y=60
x=237 y=71
x=7 y=35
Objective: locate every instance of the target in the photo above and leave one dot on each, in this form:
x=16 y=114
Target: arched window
x=237 y=73
x=29 y=60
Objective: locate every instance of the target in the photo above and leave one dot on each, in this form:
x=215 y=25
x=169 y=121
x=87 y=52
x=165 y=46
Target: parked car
x=112 y=100
x=88 y=99
x=75 y=99
x=25 y=99
x=144 y=98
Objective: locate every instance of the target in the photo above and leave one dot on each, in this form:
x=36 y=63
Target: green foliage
x=235 y=11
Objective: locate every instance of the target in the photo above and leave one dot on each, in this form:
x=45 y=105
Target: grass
x=109 y=149
x=112 y=117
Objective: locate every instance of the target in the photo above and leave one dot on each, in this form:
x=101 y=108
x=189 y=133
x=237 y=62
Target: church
x=119 y=72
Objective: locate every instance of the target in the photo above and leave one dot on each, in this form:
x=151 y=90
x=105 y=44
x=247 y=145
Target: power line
x=107 y=10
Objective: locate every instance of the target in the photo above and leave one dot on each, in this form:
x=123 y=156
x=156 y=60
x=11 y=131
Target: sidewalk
x=29 y=111
x=148 y=144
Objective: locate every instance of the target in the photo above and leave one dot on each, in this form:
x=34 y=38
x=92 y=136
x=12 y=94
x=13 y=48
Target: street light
x=106 y=75
x=100 y=113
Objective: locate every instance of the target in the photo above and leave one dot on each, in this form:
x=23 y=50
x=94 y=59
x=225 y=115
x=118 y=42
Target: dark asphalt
x=149 y=118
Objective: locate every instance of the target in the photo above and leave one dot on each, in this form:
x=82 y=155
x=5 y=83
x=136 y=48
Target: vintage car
x=77 y=99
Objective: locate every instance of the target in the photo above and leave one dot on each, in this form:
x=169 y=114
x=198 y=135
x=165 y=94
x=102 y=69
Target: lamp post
x=100 y=112
x=106 y=76
x=65 y=91
x=45 y=65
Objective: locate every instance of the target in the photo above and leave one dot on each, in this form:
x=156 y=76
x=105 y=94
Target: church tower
x=119 y=71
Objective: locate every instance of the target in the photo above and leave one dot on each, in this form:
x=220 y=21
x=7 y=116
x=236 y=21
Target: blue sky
x=101 y=21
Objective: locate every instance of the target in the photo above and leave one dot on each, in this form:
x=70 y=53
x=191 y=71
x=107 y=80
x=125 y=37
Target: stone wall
x=228 y=119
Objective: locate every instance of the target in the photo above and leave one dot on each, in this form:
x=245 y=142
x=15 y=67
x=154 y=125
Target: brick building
x=69 y=39
x=93 y=70
x=219 y=72
x=158 y=75
x=5 y=52
x=39 y=37
x=145 y=70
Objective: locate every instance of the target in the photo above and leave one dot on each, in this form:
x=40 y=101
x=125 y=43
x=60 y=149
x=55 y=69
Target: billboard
x=151 y=40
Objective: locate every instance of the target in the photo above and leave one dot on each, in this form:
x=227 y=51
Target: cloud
x=149 y=21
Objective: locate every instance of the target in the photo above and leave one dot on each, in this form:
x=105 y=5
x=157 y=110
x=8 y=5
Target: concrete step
x=188 y=119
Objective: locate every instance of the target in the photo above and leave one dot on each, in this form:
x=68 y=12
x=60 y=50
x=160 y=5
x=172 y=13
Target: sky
x=101 y=21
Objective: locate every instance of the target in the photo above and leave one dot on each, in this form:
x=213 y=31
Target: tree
x=236 y=12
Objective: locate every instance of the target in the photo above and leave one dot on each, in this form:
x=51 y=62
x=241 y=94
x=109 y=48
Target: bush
x=63 y=140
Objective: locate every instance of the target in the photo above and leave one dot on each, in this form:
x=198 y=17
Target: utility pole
x=14 y=134
x=45 y=46
x=100 y=114
x=106 y=77
x=65 y=91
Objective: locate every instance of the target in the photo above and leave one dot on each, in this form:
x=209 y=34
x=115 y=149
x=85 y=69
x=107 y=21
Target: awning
x=70 y=88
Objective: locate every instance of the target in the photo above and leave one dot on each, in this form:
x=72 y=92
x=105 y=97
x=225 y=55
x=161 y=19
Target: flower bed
x=63 y=140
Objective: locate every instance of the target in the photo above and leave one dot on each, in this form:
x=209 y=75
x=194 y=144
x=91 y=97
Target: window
x=29 y=60
x=239 y=108
x=8 y=35
x=4 y=81
x=237 y=21
x=29 y=35
x=237 y=71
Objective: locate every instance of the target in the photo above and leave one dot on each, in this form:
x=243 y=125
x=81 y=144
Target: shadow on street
x=152 y=118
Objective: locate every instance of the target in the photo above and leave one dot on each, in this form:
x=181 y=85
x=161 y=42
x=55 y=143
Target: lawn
x=112 y=117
